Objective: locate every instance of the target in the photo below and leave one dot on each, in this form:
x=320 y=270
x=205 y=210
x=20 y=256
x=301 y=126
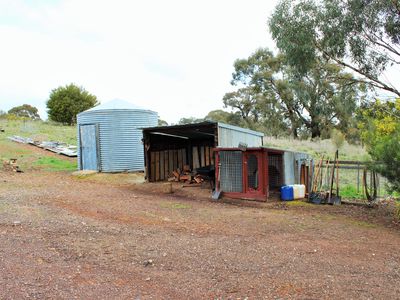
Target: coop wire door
x=231 y=171
x=253 y=173
x=89 y=147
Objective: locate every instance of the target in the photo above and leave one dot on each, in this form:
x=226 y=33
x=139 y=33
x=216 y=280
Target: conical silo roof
x=117 y=104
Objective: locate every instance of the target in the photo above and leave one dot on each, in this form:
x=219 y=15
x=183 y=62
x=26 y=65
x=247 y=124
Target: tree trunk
x=293 y=123
x=315 y=129
x=295 y=132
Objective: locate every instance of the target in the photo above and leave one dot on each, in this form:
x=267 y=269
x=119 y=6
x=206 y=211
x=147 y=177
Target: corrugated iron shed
x=110 y=137
x=168 y=148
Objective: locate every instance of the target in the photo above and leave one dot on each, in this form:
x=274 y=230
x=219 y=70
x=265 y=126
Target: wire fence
x=354 y=179
x=351 y=183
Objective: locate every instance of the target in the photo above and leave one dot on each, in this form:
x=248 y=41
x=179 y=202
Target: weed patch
x=350 y=192
x=362 y=224
x=299 y=204
x=397 y=210
x=175 y=205
x=55 y=164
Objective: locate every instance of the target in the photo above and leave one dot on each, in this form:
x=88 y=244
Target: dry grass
x=319 y=147
x=56 y=132
x=39 y=130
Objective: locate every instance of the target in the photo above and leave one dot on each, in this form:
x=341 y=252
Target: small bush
x=353 y=136
x=337 y=138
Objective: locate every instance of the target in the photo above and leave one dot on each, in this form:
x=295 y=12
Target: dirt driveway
x=105 y=237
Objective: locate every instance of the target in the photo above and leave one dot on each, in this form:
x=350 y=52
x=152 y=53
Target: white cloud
x=174 y=57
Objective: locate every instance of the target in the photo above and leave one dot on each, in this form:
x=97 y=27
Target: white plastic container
x=299 y=191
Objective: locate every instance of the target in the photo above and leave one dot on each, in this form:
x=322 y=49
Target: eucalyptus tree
x=360 y=35
x=271 y=92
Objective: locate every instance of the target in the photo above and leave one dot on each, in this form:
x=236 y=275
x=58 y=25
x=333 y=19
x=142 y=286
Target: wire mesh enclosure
x=252 y=172
x=257 y=173
x=275 y=170
x=231 y=168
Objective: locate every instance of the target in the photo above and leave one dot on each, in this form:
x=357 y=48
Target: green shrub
x=337 y=138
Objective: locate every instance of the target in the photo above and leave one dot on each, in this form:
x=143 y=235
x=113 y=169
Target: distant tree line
x=24 y=111
x=63 y=105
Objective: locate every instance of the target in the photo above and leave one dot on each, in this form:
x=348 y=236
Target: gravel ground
x=109 y=237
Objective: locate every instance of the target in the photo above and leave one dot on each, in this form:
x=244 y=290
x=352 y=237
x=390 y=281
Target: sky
x=174 y=57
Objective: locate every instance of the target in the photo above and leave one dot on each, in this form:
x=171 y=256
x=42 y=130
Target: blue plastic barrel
x=287 y=193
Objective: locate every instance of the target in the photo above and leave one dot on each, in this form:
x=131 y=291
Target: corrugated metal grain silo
x=110 y=136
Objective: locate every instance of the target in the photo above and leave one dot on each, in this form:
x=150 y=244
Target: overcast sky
x=174 y=57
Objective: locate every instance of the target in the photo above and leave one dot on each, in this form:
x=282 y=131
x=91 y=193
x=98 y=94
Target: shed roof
x=195 y=130
x=192 y=131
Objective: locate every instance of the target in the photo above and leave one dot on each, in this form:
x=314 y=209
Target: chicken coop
x=255 y=173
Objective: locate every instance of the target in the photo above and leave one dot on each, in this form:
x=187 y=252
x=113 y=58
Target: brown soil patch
x=110 y=237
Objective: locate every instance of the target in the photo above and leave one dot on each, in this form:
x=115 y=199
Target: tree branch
x=382 y=42
x=373 y=81
x=396 y=5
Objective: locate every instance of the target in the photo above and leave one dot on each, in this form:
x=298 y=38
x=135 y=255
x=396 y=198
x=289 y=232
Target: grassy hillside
x=39 y=130
x=29 y=157
x=318 y=148
x=51 y=131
